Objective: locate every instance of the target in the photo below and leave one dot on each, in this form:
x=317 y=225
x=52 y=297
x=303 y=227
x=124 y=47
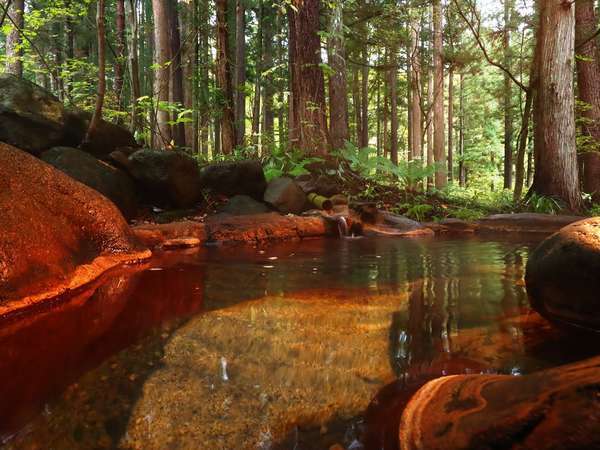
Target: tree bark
x=508 y=109
x=240 y=71
x=450 y=124
x=268 y=90
x=364 y=96
x=176 y=73
x=308 y=86
x=120 y=52
x=416 y=145
x=588 y=70
x=101 y=33
x=556 y=172
x=461 y=133
x=338 y=96
x=224 y=82
x=394 y=106
x=134 y=65
x=14 y=51
x=438 y=97
x=162 y=56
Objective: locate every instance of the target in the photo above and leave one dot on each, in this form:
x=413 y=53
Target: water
x=300 y=345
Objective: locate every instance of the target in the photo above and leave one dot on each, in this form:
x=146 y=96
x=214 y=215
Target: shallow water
x=285 y=346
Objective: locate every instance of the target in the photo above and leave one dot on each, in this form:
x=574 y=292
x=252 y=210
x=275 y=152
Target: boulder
x=113 y=183
x=31 y=118
x=525 y=223
x=551 y=409
x=235 y=178
x=321 y=184
x=563 y=275
x=285 y=195
x=57 y=233
x=107 y=138
x=388 y=224
x=166 y=178
x=240 y=205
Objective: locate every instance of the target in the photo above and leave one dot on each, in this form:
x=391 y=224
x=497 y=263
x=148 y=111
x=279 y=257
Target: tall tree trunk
x=523 y=140
x=438 y=97
x=204 y=61
x=461 y=134
x=338 y=95
x=162 y=56
x=189 y=62
x=134 y=65
x=430 y=143
x=393 y=74
x=224 y=82
x=97 y=116
x=556 y=172
x=14 y=50
x=588 y=69
x=356 y=105
x=256 y=107
x=450 y=124
x=120 y=52
x=364 y=95
x=416 y=144
x=508 y=109
x=308 y=86
x=176 y=92
x=240 y=71
x=268 y=87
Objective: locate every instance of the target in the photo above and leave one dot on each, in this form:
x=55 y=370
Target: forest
x=475 y=102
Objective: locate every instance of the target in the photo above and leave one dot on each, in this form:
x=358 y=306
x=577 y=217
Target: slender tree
x=14 y=50
x=224 y=81
x=101 y=34
x=438 y=97
x=338 y=97
x=507 y=94
x=162 y=53
x=240 y=71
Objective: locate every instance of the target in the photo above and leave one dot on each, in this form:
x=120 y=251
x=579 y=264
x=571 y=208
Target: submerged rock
x=166 y=177
x=525 y=223
x=235 y=178
x=241 y=205
x=285 y=195
x=388 y=224
x=563 y=275
x=57 y=233
x=31 y=118
x=551 y=409
x=115 y=184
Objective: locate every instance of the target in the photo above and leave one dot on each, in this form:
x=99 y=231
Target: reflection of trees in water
x=453 y=287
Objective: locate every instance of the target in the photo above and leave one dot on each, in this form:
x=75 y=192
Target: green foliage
x=543 y=204
x=417 y=211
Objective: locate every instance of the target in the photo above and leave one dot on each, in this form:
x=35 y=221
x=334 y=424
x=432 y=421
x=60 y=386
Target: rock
x=235 y=178
x=57 y=234
x=155 y=235
x=324 y=185
x=552 y=409
x=339 y=200
x=388 y=224
x=285 y=195
x=166 y=177
x=107 y=138
x=525 y=223
x=31 y=118
x=563 y=275
x=113 y=183
x=240 y=205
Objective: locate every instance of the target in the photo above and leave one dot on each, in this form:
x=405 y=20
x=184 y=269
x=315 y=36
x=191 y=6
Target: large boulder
x=113 y=183
x=285 y=195
x=525 y=223
x=31 y=118
x=56 y=232
x=107 y=138
x=235 y=178
x=563 y=275
x=241 y=205
x=166 y=178
x=552 y=409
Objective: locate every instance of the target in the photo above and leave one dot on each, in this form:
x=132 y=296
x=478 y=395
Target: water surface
x=285 y=346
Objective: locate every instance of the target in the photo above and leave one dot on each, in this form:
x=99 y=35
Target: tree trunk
x=97 y=116
x=258 y=82
x=134 y=65
x=120 y=52
x=224 y=82
x=556 y=172
x=176 y=84
x=430 y=143
x=416 y=145
x=162 y=56
x=268 y=136
x=356 y=105
x=394 y=105
x=450 y=124
x=508 y=109
x=588 y=69
x=338 y=96
x=308 y=86
x=461 y=134
x=240 y=71
x=364 y=96
x=438 y=97
x=14 y=52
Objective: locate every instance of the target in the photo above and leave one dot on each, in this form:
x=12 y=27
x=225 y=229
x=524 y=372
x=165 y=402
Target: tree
x=224 y=81
x=134 y=65
x=308 y=86
x=438 y=97
x=240 y=71
x=162 y=47
x=416 y=144
x=556 y=173
x=120 y=51
x=14 y=51
x=508 y=109
x=97 y=116
x=338 y=96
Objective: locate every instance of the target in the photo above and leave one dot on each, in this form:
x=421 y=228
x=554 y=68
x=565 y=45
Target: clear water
x=299 y=345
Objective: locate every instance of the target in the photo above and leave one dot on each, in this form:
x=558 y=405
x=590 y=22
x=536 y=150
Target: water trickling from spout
x=343 y=228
